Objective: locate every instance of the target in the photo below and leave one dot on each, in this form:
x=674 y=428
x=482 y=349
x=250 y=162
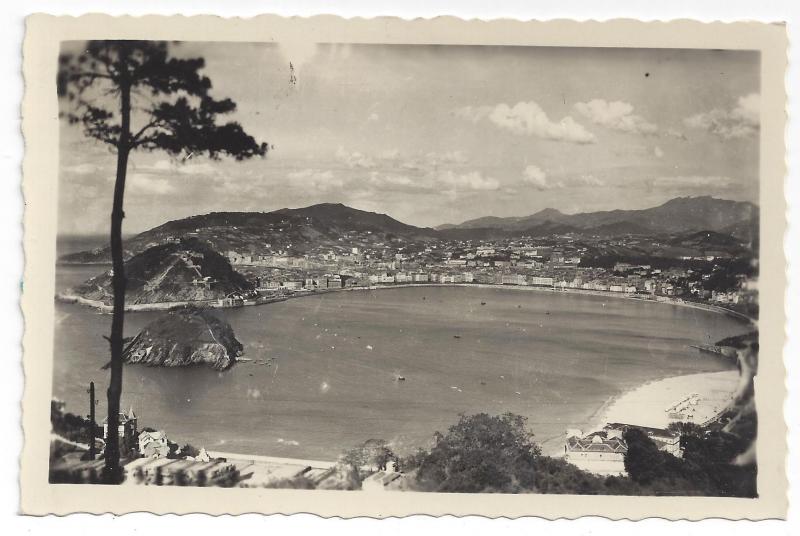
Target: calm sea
x=66 y=244
x=555 y=358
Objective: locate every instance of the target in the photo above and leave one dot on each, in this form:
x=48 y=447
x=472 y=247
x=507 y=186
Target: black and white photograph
x=407 y=268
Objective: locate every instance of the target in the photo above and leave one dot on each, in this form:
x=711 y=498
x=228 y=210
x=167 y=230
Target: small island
x=184 y=337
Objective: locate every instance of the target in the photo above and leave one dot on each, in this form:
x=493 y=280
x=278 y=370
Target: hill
x=297 y=230
x=327 y=225
x=545 y=228
x=620 y=228
x=679 y=215
x=707 y=240
x=189 y=270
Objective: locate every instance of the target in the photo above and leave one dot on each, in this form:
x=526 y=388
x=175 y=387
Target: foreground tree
x=643 y=461
x=132 y=95
x=481 y=453
x=372 y=455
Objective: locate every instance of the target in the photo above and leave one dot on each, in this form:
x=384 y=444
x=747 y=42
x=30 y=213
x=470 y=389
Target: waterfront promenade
x=166 y=306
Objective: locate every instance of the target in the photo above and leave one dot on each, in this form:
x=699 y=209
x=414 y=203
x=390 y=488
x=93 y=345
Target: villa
x=603 y=452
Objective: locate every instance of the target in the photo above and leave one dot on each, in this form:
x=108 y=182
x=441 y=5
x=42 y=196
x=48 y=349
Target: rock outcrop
x=185 y=337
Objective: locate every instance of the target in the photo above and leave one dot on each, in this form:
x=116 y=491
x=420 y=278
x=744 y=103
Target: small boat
x=483 y=303
x=547 y=312
x=456 y=336
x=399 y=378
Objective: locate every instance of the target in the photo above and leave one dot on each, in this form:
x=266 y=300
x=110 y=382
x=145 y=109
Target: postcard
x=386 y=267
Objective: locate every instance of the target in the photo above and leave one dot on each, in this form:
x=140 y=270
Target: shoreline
x=617 y=408
x=646 y=404
x=642 y=405
x=166 y=306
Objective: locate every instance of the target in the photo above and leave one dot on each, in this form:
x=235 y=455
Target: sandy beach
x=647 y=404
x=706 y=394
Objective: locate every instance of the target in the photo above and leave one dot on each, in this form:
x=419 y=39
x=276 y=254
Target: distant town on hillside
x=699 y=249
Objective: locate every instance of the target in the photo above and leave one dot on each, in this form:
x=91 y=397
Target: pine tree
x=157 y=102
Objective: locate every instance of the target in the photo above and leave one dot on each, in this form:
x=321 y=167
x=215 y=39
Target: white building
x=513 y=279
x=602 y=453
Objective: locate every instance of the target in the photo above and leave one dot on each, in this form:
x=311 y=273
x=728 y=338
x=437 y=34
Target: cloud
x=448 y=157
x=143 y=183
x=537 y=178
x=434 y=160
x=389 y=154
x=322 y=180
x=354 y=159
x=586 y=180
x=748 y=109
x=373 y=117
x=528 y=119
x=740 y=122
x=693 y=181
x=675 y=133
x=473 y=180
x=658 y=152
x=394 y=159
x=81 y=169
x=171 y=167
x=616 y=115
x=398 y=182
x=391 y=171
x=473 y=113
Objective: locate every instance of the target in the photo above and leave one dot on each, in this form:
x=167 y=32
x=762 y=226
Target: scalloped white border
x=45 y=32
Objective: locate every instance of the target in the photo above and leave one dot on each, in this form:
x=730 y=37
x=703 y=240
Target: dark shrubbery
x=706 y=467
x=480 y=453
x=483 y=453
x=70 y=426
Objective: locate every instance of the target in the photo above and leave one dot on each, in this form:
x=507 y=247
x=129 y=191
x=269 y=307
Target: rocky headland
x=185 y=271
x=185 y=337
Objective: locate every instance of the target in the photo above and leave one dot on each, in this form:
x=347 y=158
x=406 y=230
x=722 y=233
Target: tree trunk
x=113 y=472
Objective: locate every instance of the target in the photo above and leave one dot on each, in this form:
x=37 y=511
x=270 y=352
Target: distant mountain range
x=300 y=230
x=679 y=215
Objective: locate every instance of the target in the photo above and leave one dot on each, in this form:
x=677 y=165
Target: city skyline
x=501 y=131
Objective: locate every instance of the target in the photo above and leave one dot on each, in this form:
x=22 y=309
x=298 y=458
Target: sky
x=434 y=134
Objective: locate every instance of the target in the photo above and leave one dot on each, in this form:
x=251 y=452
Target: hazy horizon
x=443 y=134
x=127 y=235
